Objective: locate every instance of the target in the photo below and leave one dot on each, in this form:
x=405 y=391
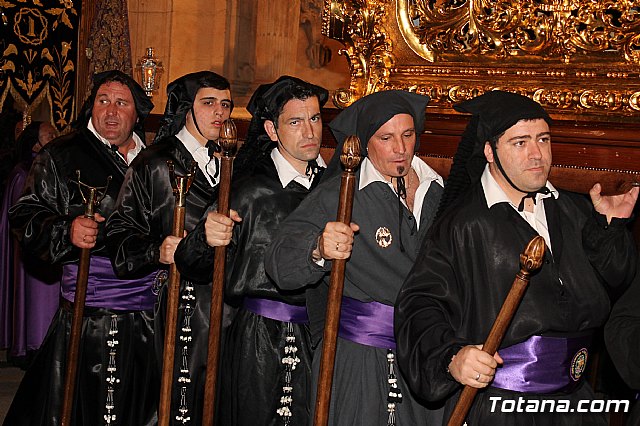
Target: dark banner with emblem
x=39 y=49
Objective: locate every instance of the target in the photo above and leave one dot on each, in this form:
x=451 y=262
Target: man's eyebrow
x=213 y=98
x=301 y=117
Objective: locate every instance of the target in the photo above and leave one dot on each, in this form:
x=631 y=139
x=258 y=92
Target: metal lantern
x=149 y=70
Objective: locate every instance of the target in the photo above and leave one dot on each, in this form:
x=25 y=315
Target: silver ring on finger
x=337 y=246
x=478 y=377
x=84 y=240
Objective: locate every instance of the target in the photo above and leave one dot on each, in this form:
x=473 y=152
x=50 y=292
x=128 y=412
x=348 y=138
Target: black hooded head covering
x=180 y=96
x=364 y=117
x=142 y=102
x=493 y=113
x=26 y=141
x=267 y=103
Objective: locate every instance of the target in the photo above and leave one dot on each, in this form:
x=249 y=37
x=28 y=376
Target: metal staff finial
x=95 y=194
x=181 y=184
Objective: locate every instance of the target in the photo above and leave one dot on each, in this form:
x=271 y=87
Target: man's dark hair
x=296 y=91
x=143 y=104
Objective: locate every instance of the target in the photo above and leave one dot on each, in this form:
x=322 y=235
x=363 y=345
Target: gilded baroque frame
x=580 y=59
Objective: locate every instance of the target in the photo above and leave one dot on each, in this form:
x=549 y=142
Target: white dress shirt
x=537 y=219
x=200 y=153
x=131 y=154
x=426 y=175
x=287 y=173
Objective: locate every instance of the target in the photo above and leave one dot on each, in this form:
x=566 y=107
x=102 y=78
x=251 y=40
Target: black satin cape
x=251 y=372
x=142 y=219
x=622 y=336
x=42 y=218
x=464 y=272
x=373 y=273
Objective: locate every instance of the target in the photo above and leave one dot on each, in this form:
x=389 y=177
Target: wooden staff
x=73 y=350
x=350 y=159
x=228 y=142
x=180 y=186
x=530 y=261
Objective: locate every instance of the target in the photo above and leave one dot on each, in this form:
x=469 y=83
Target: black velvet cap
x=180 y=96
x=492 y=114
x=142 y=102
x=364 y=117
x=267 y=101
x=498 y=111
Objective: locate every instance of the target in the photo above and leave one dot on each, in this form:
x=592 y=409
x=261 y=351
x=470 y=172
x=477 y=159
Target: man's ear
x=270 y=128
x=488 y=152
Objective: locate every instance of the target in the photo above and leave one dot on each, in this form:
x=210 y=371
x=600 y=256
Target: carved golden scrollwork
x=358 y=25
x=574 y=57
x=553 y=29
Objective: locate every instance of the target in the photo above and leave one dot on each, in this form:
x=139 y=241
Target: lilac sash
x=105 y=290
x=276 y=310
x=367 y=323
x=543 y=364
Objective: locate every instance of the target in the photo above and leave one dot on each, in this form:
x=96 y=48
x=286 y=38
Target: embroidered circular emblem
x=159 y=280
x=383 y=237
x=578 y=364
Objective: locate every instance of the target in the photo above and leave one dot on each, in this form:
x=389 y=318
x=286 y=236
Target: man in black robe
x=395 y=200
x=139 y=230
x=117 y=376
x=496 y=200
x=266 y=359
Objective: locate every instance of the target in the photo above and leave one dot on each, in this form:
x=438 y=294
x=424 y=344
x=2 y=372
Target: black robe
x=42 y=220
x=464 y=272
x=373 y=273
x=142 y=219
x=252 y=371
x=622 y=336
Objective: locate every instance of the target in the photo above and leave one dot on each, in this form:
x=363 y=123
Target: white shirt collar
x=537 y=219
x=200 y=153
x=131 y=154
x=426 y=175
x=189 y=141
x=494 y=194
x=369 y=174
x=286 y=171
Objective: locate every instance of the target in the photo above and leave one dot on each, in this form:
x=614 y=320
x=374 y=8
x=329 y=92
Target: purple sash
x=105 y=290
x=367 y=323
x=276 y=310
x=543 y=364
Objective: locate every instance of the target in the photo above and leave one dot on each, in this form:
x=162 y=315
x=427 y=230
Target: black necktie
x=312 y=169
x=544 y=191
x=212 y=148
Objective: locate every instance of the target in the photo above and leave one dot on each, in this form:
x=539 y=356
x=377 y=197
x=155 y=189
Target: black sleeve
x=288 y=259
x=610 y=249
x=428 y=312
x=194 y=257
x=133 y=247
x=622 y=335
x=41 y=218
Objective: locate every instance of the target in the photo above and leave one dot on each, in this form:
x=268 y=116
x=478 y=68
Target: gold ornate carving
x=358 y=24
x=574 y=57
x=553 y=29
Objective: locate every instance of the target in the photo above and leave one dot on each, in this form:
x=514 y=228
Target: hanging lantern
x=149 y=70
